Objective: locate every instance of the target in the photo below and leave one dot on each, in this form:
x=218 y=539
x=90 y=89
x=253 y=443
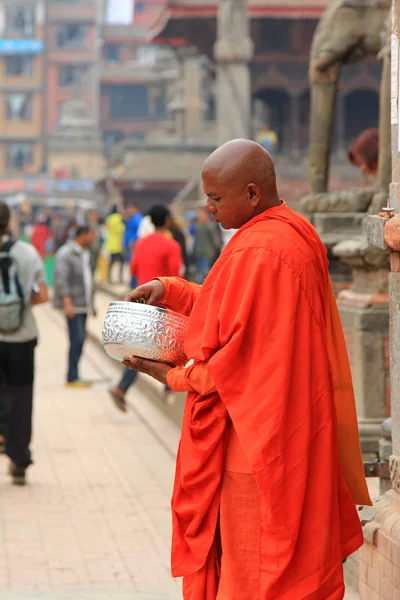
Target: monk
x=269 y=468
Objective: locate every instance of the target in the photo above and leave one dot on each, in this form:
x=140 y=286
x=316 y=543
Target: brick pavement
x=95 y=516
x=94 y=521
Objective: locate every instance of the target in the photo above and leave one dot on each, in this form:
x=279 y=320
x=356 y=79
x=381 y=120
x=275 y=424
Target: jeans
x=203 y=265
x=17 y=365
x=116 y=258
x=128 y=378
x=77 y=335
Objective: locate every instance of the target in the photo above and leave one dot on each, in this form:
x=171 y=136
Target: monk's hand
x=151 y=293
x=157 y=370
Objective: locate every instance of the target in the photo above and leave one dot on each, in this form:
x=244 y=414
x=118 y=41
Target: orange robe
x=269 y=358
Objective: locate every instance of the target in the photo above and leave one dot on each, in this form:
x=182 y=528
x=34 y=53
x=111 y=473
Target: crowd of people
x=82 y=248
x=270 y=411
x=161 y=243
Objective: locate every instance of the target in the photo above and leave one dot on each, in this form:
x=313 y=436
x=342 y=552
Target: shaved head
x=242 y=159
x=240 y=182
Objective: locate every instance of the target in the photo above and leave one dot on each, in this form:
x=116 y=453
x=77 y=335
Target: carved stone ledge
x=351 y=200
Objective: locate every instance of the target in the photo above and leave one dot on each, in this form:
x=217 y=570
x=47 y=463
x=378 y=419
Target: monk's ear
x=254 y=194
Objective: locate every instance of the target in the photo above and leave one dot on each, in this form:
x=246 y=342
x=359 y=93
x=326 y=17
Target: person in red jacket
x=41 y=236
x=155 y=255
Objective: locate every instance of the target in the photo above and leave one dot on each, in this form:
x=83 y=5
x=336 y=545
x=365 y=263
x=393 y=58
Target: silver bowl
x=133 y=329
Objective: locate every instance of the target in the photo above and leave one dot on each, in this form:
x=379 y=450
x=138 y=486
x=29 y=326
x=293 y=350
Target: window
x=19 y=66
x=72 y=35
x=129 y=102
x=160 y=105
x=19 y=107
x=20 y=20
x=72 y=75
x=19 y=156
x=139 y=7
x=111 y=52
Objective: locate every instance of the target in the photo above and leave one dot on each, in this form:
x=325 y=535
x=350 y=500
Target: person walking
x=115 y=242
x=133 y=219
x=205 y=245
x=22 y=285
x=41 y=235
x=155 y=255
x=73 y=293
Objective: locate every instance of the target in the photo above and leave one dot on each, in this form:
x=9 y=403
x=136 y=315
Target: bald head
x=240 y=174
x=243 y=160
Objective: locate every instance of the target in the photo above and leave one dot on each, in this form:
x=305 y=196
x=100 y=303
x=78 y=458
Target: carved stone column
x=380 y=555
x=233 y=51
x=192 y=79
x=295 y=125
x=341 y=149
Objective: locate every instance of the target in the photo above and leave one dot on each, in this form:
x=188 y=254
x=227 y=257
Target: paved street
x=94 y=521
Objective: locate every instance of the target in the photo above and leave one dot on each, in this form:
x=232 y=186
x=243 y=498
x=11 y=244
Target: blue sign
x=21 y=46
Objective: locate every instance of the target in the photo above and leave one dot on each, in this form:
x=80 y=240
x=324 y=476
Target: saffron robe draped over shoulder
x=269 y=356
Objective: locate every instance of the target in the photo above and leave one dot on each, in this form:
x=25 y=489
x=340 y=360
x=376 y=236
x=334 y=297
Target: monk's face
x=231 y=204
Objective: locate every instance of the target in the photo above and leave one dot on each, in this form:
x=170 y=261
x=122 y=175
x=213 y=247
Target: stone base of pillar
x=379 y=573
x=370 y=435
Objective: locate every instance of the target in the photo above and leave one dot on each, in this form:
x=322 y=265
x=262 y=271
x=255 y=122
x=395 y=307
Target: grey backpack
x=12 y=303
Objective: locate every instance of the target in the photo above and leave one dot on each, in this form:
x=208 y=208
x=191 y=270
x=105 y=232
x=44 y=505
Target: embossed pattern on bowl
x=133 y=329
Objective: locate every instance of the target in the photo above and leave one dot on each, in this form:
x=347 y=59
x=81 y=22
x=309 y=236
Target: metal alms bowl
x=132 y=329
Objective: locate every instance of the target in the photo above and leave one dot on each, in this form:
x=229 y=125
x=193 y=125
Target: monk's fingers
x=142 y=364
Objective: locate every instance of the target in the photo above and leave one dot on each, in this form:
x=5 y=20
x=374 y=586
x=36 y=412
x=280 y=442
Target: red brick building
x=72 y=56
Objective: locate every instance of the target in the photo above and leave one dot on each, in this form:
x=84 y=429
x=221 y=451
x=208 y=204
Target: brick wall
x=380 y=568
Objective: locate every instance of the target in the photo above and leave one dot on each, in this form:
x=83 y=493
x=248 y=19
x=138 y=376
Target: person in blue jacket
x=132 y=222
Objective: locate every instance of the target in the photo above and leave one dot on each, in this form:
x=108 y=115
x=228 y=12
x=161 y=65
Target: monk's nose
x=210 y=207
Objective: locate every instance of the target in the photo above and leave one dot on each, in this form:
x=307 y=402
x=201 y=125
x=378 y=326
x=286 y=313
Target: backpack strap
x=8 y=245
x=5 y=264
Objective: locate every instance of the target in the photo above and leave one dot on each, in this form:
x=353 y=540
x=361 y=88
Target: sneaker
x=17 y=473
x=118 y=400
x=79 y=383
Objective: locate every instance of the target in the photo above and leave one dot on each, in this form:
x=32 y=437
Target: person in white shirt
x=17 y=351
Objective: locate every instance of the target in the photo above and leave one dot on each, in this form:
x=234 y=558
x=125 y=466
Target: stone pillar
x=192 y=80
x=233 y=51
x=295 y=124
x=323 y=102
x=364 y=312
x=340 y=128
x=385 y=156
x=380 y=555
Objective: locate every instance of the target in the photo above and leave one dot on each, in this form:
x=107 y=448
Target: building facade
x=22 y=48
x=132 y=83
x=282 y=34
x=73 y=46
